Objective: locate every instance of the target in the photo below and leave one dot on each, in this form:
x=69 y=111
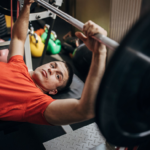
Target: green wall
x=95 y=10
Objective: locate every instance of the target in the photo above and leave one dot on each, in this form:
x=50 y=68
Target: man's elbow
x=90 y=116
x=86 y=114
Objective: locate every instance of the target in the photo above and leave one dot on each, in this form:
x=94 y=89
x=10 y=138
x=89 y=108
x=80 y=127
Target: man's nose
x=51 y=71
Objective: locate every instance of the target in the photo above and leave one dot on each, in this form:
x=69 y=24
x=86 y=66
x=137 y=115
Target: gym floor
x=30 y=136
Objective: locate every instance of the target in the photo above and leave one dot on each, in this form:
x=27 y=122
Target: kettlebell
x=54 y=45
x=36 y=45
x=39 y=32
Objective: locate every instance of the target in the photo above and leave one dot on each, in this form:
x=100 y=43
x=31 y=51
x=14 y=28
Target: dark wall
x=145 y=7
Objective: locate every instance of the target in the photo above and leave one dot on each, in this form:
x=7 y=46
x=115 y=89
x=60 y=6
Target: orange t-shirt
x=20 y=99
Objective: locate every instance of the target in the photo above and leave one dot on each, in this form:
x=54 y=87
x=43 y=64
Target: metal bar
x=46 y=42
x=79 y=25
x=27 y=51
x=5 y=43
x=41 y=15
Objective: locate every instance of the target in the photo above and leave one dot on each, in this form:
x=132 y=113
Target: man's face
x=51 y=76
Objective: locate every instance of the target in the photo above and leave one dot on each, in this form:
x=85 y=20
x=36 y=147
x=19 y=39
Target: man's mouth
x=44 y=73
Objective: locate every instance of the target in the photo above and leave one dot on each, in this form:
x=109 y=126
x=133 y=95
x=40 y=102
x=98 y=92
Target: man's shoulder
x=16 y=58
x=17 y=62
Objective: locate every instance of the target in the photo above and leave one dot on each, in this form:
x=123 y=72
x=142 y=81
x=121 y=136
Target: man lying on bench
x=23 y=95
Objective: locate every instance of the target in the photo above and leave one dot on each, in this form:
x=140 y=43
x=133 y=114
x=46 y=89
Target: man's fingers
x=86 y=27
x=90 y=28
x=28 y=2
x=81 y=36
x=31 y=1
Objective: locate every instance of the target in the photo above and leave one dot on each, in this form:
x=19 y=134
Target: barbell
x=78 y=24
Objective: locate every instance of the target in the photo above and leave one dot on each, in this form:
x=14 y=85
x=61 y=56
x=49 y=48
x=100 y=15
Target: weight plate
x=122 y=104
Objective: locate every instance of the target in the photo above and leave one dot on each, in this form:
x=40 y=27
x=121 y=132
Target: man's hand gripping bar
x=79 y=25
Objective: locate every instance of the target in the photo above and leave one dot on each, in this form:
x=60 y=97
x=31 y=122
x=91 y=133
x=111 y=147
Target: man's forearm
x=92 y=83
x=21 y=25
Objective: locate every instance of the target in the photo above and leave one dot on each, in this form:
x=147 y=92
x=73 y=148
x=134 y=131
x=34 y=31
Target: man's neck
x=31 y=75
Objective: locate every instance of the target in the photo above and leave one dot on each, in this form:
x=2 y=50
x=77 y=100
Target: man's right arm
x=19 y=32
x=70 y=111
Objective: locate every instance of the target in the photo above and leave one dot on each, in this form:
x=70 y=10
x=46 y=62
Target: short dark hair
x=70 y=77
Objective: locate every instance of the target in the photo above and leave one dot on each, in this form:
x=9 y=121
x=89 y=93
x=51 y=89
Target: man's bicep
x=16 y=48
x=61 y=112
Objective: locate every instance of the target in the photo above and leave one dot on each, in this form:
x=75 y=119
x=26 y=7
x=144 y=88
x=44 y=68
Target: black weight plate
x=122 y=105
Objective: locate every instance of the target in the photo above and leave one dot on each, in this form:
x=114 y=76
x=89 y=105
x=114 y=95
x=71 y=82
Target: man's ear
x=53 y=92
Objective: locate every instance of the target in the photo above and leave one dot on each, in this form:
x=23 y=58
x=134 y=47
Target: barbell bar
x=78 y=24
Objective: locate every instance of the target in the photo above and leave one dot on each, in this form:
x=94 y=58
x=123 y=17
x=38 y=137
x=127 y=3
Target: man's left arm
x=68 y=111
x=19 y=32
